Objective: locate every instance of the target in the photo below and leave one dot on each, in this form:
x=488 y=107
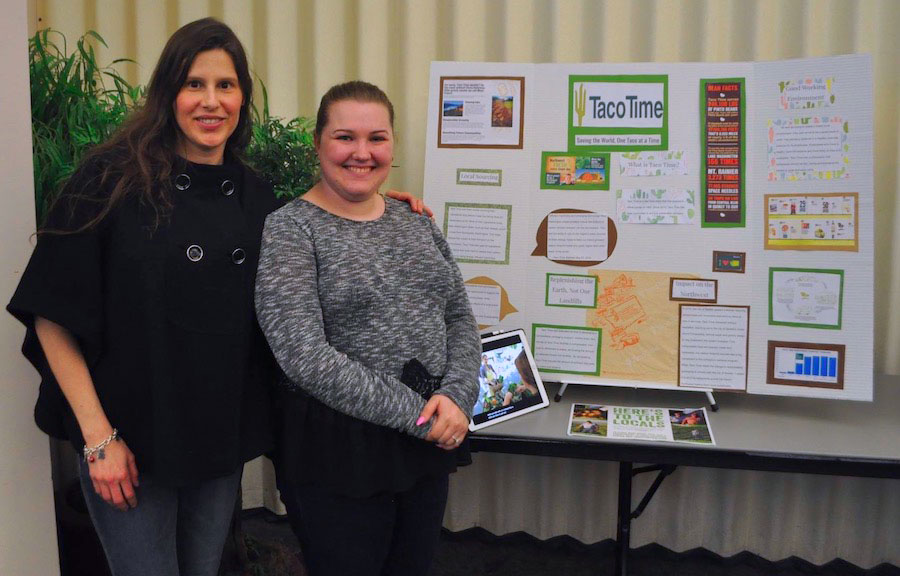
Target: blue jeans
x=171 y=532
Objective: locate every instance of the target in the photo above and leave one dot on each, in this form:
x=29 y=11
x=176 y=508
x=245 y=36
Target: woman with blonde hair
x=366 y=312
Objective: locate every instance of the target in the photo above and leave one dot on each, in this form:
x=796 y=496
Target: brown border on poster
x=770 y=364
x=493 y=146
x=672 y=280
x=854 y=248
x=740 y=270
x=746 y=351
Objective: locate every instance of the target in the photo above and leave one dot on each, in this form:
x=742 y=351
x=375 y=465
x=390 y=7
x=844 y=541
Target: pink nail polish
x=420 y=421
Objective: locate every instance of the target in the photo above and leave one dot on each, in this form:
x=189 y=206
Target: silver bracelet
x=99 y=451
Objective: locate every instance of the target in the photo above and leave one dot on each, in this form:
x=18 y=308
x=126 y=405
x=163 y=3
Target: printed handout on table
x=655 y=206
x=688 y=425
x=481 y=112
x=566 y=348
x=478 y=232
x=712 y=346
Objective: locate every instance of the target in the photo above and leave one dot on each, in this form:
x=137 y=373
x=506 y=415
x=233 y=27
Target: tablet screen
x=509 y=383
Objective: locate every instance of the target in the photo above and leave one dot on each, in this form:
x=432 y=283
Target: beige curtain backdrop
x=300 y=48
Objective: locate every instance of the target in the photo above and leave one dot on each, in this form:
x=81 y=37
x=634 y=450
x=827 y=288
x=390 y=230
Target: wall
x=27 y=532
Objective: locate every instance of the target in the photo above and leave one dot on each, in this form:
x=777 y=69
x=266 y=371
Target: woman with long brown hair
x=138 y=303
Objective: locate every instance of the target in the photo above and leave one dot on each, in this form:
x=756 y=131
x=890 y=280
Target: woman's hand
x=450 y=423
x=417 y=205
x=115 y=476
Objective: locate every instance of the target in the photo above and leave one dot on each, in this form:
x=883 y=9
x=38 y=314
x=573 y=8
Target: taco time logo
x=618 y=112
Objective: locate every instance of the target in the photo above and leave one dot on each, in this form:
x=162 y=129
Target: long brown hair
x=139 y=157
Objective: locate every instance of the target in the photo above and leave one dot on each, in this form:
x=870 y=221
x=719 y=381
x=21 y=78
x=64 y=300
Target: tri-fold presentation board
x=704 y=226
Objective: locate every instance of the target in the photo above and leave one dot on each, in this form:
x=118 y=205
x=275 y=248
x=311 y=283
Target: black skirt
x=321 y=447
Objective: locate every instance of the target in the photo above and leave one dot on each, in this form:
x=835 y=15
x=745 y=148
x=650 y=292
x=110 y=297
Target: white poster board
x=663 y=225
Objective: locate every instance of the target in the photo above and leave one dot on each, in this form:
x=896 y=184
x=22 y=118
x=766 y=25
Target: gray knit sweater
x=345 y=304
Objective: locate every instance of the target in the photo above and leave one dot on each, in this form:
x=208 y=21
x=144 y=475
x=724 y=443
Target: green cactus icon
x=580 y=99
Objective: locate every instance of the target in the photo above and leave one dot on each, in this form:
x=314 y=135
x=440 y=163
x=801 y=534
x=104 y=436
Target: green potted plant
x=283 y=152
x=75 y=104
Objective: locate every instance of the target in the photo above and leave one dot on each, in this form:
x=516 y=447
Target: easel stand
x=709 y=395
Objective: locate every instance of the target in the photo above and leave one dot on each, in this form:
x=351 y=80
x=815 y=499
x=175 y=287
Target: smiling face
x=208 y=107
x=355 y=149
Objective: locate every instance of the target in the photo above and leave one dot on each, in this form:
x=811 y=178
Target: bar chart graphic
x=815 y=365
x=806 y=364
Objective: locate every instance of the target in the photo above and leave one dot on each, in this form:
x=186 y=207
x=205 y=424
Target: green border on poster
x=599 y=332
x=499 y=174
x=663 y=132
x=547 y=291
x=836 y=272
x=602 y=186
x=703 y=222
x=507 y=207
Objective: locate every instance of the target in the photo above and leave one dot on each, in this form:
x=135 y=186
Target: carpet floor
x=273 y=551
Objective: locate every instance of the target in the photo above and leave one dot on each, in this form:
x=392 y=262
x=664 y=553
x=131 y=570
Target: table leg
x=623 y=527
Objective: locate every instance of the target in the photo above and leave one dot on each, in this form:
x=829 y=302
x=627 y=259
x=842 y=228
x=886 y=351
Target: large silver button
x=194 y=253
x=238 y=256
x=227 y=187
x=182 y=182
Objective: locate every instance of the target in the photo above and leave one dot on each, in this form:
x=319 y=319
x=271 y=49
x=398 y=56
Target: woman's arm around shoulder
x=416 y=204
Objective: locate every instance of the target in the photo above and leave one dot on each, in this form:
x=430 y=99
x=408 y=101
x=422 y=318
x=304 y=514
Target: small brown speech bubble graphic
x=541 y=238
x=505 y=307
